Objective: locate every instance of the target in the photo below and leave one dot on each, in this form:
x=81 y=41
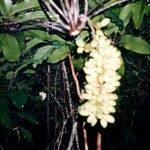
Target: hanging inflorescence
x=102 y=78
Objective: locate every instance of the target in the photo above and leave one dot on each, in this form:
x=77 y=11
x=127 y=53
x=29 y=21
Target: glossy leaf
x=138 y=13
x=126 y=14
x=58 y=55
x=19 y=97
x=22 y=6
x=135 y=44
x=42 y=54
x=26 y=134
x=31 y=16
x=5 y=7
x=33 y=43
x=28 y=116
x=10 y=47
x=114 y=18
x=134 y=11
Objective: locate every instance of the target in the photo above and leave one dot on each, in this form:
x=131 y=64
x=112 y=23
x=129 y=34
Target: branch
x=51 y=2
x=74 y=77
x=85 y=138
x=103 y=8
x=86 y=7
x=99 y=140
x=74 y=128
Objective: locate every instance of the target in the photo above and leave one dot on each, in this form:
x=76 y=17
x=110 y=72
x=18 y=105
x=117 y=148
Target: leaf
x=28 y=116
x=18 y=97
x=126 y=14
x=135 y=44
x=29 y=71
x=121 y=70
x=32 y=16
x=134 y=10
x=78 y=63
x=111 y=28
x=43 y=35
x=26 y=134
x=10 y=47
x=16 y=8
x=147 y=10
x=42 y=54
x=39 y=34
x=114 y=18
x=58 y=55
x=33 y=43
x=138 y=13
x=5 y=7
x=4 y=113
x=9 y=75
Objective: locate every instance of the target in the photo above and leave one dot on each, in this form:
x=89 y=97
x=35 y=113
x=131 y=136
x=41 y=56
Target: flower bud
x=105 y=22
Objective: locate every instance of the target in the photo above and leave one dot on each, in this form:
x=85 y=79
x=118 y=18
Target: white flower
x=43 y=95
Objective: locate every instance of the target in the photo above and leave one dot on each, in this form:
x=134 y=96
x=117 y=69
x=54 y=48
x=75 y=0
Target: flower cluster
x=102 y=78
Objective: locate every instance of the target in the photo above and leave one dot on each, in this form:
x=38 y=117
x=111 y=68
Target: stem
x=86 y=7
x=103 y=8
x=74 y=128
x=48 y=106
x=66 y=81
x=85 y=138
x=99 y=140
x=76 y=11
x=63 y=7
x=75 y=77
x=59 y=10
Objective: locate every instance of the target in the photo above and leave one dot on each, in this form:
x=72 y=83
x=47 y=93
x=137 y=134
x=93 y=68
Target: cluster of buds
x=102 y=78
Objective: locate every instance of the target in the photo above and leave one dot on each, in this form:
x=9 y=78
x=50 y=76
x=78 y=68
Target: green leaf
x=79 y=63
x=4 y=113
x=43 y=35
x=114 y=18
x=5 y=7
x=10 y=47
x=58 y=55
x=28 y=116
x=126 y=14
x=111 y=28
x=42 y=54
x=33 y=43
x=26 y=134
x=134 y=10
x=138 y=13
x=31 y=16
x=39 y=34
x=121 y=70
x=17 y=8
x=29 y=71
x=135 y=44
x=147 y=10
x=18 y=97
x=9 y=75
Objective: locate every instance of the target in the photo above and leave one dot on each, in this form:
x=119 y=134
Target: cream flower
x=102 y=79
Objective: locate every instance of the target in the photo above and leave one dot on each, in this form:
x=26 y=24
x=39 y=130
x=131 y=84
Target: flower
x=102 y=79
